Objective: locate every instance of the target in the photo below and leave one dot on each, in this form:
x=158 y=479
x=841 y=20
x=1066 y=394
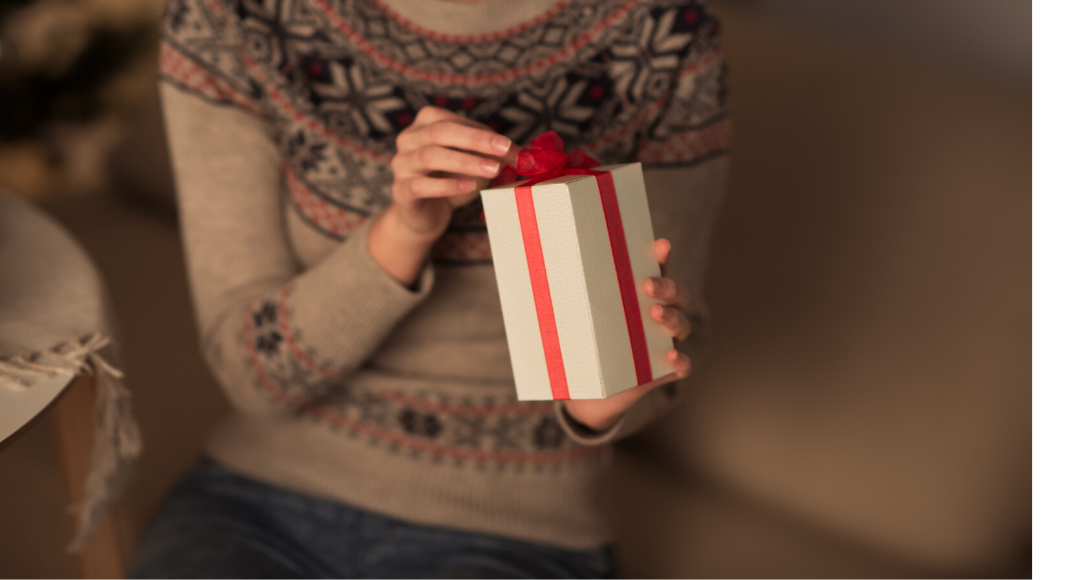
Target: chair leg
x=74 y=418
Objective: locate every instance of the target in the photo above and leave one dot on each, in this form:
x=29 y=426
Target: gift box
x=572 y=247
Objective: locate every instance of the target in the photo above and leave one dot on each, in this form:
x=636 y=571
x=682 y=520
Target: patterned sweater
x=282 y=117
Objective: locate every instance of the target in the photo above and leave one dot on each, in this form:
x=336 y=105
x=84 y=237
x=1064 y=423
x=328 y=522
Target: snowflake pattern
x=422 y=424
x=267 y=314
x=267 y=343
x=273 y=353
x=548 y=434
x=622 y=80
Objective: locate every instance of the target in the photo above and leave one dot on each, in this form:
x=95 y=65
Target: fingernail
x=466 y=186
x=658 y=284
x=658 y=312
x=501 y=144
x=490 y=166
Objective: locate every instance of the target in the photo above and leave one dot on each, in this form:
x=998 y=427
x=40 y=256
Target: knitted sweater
x=282 y=117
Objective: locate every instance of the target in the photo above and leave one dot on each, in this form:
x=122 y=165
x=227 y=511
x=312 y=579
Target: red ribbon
x=544 y=160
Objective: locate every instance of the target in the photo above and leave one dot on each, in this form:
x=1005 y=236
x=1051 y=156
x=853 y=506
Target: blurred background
x=869 y=411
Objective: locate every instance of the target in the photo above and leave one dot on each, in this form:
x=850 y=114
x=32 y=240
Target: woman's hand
x=600 y=414
x=443 y=160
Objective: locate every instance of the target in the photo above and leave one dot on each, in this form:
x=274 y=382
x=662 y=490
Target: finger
x=431 y=114
x=511 y=159
x=438 y=158
x=480 y=182
x=681 y=362
x=673 y=320
x=457 y=135
x=667 y=291
x=428 y=115
x=426 y=187
x=662 y=249
x=462 y=200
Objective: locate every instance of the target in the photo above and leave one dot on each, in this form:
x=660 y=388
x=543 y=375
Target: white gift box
x=571 y=258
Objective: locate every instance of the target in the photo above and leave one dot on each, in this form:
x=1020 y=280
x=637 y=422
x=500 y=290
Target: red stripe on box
x=625 y=277
x=539 y=283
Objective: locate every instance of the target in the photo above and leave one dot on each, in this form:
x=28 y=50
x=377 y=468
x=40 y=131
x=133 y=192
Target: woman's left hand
x=600 y=414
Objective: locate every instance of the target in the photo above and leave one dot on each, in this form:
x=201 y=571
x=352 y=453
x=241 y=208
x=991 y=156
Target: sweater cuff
x=356 y=302
x=368 y=272
x=582 y=434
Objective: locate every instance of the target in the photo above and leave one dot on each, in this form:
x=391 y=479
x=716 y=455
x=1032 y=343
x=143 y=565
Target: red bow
x=544 y=160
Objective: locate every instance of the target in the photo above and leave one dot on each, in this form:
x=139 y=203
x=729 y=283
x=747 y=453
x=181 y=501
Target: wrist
x=397 y=249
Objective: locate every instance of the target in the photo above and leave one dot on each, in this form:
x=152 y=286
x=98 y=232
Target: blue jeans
x=219 y=524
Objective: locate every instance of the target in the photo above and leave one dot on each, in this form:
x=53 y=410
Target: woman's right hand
x=443 y=160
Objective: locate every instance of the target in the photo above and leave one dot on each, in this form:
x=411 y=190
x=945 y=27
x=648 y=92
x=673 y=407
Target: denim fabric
x=219 y=524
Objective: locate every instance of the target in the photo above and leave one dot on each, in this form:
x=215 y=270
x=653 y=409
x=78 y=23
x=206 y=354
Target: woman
x=328 y=158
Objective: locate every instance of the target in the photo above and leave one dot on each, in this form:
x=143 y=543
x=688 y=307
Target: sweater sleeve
x=275 y=335
x=685 y=163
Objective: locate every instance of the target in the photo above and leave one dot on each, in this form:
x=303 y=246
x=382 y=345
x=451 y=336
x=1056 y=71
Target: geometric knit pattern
x=622 y=80
x=494 y=429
